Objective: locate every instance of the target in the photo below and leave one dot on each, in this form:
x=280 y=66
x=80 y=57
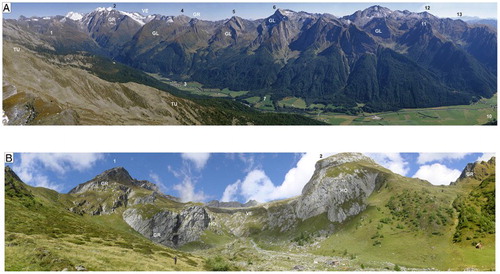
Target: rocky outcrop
x=167 y=227
x=477 y=170
x=339 y=186
x=105 y=201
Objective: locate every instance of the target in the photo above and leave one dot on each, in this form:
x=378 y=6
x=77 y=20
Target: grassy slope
x=409 y=223
x=40 y=234
x=215 y=111
x=379 y=235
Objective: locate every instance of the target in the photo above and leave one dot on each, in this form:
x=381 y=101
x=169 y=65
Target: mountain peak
x=102 y=9
x=284 y=12
x=342 y=158
x=477 y=170
x=377 y=11
x=105 y=12
x=116 y=174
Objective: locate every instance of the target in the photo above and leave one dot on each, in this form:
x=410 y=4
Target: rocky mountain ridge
x=351 y=208
x=164 y=220
x=359 y=58
x=339 y=189
x=478 y=170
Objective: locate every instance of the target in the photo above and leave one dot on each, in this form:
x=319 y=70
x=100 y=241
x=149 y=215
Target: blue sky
x=217 y=11
x=226 y=176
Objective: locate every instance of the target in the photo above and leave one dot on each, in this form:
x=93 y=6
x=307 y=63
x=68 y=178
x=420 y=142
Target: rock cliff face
x=167 y=227
x=338 y=189
x=477 y=170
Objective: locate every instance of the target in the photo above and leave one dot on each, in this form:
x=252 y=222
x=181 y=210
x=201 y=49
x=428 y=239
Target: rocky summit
x=353 y=214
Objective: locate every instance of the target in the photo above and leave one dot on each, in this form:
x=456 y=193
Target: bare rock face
x=169 y=228
x=340 y=186
x=478 y=170
x=340 y=197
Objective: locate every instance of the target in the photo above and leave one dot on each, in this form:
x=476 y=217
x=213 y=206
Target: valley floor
x=479 y=113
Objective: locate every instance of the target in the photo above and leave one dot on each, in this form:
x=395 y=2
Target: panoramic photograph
x=250 y=212
x=249 y=63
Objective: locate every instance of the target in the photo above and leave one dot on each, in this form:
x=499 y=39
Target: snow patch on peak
x=102 y=9
x=286 y=12
x=135 y=16
x=75 y=16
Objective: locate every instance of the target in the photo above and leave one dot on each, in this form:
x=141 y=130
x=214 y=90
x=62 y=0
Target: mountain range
x=379 y=58
x=353 y=214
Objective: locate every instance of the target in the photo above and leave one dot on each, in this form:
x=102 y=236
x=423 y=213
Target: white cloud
x=230 y=192
x=32 y=167
x=157 y=180
x=437 y=174
x=258 y=186
x=297 y=177
x=424 y=158
x=187 y=193
x=186 y=188
x=392 y=161
x=198 y=159
x=485 y=157
x=43 y=181
x=60 y=162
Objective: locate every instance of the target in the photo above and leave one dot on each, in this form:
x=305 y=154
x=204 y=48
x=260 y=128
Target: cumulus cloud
x=424 y=158
x=186 y=187
x=43 y=181
x=187 y=192
x=258 y=186
x=392 y=161
x=198 y=159
x=485 y=157
x=32 y=167
x=231 y=192
x=297 y=177
x=60 y=162
x=437 y=174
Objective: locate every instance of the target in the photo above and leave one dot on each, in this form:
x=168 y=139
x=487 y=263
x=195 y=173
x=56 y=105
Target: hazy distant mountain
x=476 y=20
x=382 y=58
